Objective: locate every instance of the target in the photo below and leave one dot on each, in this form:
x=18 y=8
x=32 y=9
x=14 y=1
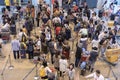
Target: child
x=71 y=72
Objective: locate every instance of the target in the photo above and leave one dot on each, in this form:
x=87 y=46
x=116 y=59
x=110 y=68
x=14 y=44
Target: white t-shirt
x=101 y=36
x=6 y=26
x=48 y=36
x=63 y=64
x=84 y=31
x=93 y=75
x=95 y=43
x=20 y=36
x=56 y=20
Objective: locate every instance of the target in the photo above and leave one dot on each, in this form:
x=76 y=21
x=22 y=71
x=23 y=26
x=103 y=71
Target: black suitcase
x=13 y=29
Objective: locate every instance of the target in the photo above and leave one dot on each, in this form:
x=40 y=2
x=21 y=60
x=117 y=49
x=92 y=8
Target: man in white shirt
x=15 y=47
x=96 y=75
x=56 y=20
x=102 y=35
x=83 y=31
x=95 y=43
x=20 y=35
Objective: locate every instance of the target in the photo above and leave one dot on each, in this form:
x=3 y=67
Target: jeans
x=30 y=55
x=38 y=22
x=77 y=62
x=16 y=54
x=52 y=54
x=23 y=53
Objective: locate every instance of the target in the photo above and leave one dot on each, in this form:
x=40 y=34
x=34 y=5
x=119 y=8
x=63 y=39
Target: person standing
x=93 y=58
x=15 y=47
x=30 y=49
x=7 y=3
x=53 y=51
x=33 y=13
x=66 y=50
x=78 y=53
x=63 y=64
x=1 y=54
x=28 y=26
x=23 y=50
x=38 y=19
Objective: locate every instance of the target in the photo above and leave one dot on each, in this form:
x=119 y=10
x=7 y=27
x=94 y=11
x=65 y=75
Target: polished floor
x=23 y=67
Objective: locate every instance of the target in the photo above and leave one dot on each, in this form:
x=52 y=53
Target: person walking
x=93 y=58
x=78 y=53
x=15 y=47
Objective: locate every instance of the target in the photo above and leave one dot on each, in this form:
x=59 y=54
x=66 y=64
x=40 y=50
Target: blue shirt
x=15 y=45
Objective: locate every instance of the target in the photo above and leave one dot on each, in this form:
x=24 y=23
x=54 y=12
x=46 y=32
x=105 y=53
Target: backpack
x=42 y=72
x=23 y=45
x=30 y=47
x=24 y=39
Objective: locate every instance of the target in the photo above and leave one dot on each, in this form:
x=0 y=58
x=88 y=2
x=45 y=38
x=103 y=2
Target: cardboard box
x=113 y=58
x=110 y=23
x=112 y=55
x=111 y=52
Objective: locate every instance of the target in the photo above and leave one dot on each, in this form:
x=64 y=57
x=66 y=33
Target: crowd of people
x=91 y=34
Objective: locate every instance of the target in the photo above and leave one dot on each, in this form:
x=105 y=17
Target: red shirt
x=58 y=29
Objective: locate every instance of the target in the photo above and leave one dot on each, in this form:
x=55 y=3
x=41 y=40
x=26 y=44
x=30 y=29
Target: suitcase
x=5 y=36
x=13 y=30
x=111 y=23
x=113 y=58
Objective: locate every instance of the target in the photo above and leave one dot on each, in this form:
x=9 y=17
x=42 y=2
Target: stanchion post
x=11 y=66
x=2 y=73
x=36 y=77
x=29 y=73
